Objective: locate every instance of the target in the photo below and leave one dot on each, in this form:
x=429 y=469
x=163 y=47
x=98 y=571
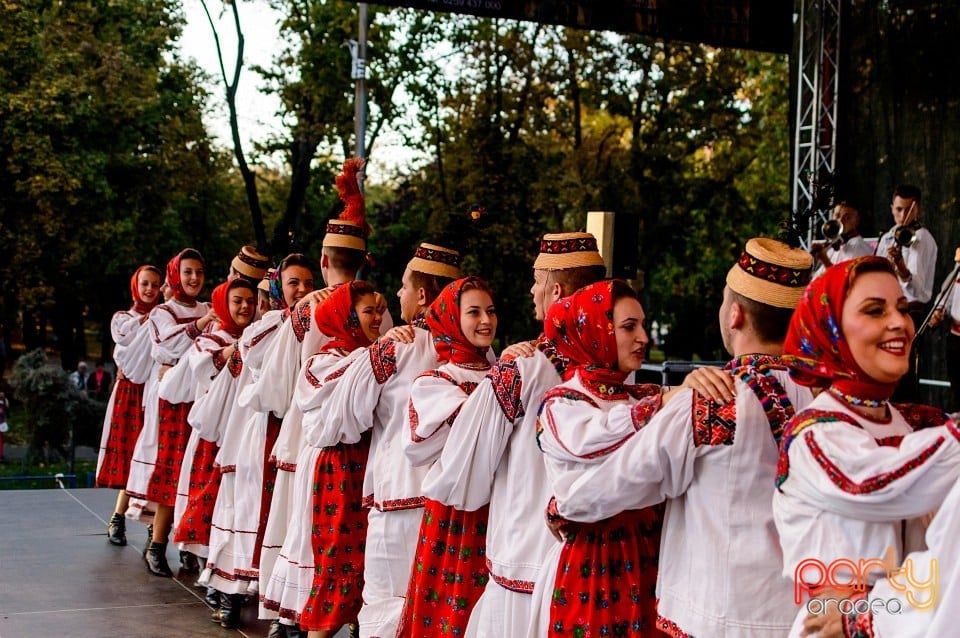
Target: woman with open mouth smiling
x=856 y=472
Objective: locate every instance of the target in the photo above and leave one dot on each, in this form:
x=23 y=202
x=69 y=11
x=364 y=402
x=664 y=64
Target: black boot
x=157 y=560
x=229 y=613
x=117 y=530
x=212 y=598
x=189 y=563
x=277 y=630
x=294 y=631
x=149 y=540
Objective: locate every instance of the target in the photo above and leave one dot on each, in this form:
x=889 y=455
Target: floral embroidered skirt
x=449 y=572
x=338 y=537
x=126 y=421
x=607 y=576
x=194 y=527
x=172 y=443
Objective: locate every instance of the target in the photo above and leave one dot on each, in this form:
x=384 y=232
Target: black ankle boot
x=212 y=598
x=277 y=630
x=117 y=530
x=157 y=560
x=149 y=540
x=229 y=612
x=294 y=631
x=189 y=562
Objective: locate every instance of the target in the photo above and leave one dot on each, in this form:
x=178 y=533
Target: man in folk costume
x=491 y=455
x=343 y=255
x=715 y=463
x=378 y=385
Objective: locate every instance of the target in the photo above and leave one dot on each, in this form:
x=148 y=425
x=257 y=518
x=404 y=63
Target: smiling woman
x=853 y=467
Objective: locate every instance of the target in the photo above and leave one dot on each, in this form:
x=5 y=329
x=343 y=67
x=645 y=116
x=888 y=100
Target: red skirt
x=607 y=577
x=338 y=537
x=172 y=443
x=194 y=527
x=126 y=421
x=269 y=480
x=449 y=572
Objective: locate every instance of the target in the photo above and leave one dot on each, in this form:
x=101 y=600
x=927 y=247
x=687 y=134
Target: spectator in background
x=99 y=383
x=4 y=426
x=78 y=378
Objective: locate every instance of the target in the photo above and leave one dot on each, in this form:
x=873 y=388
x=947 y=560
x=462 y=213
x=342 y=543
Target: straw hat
x=560 y=251
x=436 y=260
x=771 y=273
x=343 y=233
x=250 y=263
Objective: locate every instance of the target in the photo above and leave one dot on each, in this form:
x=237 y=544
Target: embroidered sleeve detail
x=218 y=360
x=301 y=321
x=193 y=330
x=921 y=416
x=873 y=483
x=953 y=429
x=772 y=396
x=507 y=386
x=263 y=335
x=383 y=358
x=235 y=365
x=800 y=422
x=569 y=393
x=856 y=624
x=643 y=411
x=333 y=376
x=513 y=584
x=713 y=423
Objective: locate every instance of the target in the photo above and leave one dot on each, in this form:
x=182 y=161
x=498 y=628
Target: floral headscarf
x=443 y=322
x=173 y=274
x=277 y=300
x=139 y=305
x=221 y=304
x=581 y=326
x=816 y=350
x=336 y=317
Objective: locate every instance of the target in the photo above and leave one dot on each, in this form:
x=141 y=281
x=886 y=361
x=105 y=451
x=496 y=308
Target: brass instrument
x=832 y=231
x=905 y=236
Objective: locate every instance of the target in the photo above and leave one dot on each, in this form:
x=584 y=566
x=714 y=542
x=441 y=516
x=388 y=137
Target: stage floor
x=60 y=577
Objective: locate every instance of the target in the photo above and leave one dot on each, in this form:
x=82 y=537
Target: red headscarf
x=139 y=305
x=815 y=348
x=173 y=274
x=443 y=322
x=337 y=318
x=581 y=326
x=221 y=304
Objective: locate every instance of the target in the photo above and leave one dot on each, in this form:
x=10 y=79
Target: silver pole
x=360 y=75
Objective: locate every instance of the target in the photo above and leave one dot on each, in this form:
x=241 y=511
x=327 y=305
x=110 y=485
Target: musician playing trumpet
x=913 y=252
x=842 y=239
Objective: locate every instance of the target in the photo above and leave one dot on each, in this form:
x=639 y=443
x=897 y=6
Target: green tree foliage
x=106 y=162
x=541 y=124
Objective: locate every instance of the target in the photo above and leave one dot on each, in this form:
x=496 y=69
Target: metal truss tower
x=815 y=127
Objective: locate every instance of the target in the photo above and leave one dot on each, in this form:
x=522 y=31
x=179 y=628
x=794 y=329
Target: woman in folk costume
x=125 y=409
x=159 y=452
x=351 y=320
x=243 y=503
x=856 y=473
x=449 y=569
x=318 y=577
x=343 y=255
x=601 y=579
x=215 y=366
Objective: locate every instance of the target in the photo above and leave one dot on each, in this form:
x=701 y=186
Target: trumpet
x=832 y=231
x=905 y=236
